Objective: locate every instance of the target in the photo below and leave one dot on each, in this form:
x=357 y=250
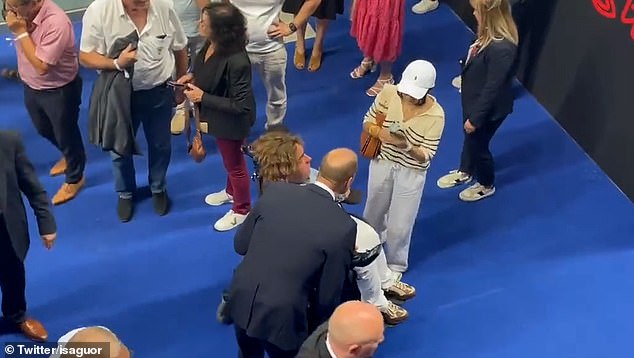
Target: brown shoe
x=34 y=330
x=59 y=168
x=68 y=192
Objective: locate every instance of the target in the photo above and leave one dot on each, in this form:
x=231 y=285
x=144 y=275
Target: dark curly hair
x=228 y=27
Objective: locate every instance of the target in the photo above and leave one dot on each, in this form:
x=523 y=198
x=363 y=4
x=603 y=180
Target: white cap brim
x=411 y=90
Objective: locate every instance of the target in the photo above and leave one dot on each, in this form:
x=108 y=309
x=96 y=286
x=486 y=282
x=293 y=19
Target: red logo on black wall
x=607 y=8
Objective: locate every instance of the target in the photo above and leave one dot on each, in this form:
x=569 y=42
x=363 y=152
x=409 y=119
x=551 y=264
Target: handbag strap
x=194 y=108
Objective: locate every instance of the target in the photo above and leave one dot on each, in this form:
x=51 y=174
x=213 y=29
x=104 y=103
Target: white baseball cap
x=418 y=78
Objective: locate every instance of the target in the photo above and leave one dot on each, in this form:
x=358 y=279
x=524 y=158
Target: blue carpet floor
x=542 y=269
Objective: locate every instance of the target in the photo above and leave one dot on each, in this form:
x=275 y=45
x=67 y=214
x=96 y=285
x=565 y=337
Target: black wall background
x=580 y=67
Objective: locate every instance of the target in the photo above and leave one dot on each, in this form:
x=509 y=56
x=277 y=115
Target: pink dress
x=378 y=27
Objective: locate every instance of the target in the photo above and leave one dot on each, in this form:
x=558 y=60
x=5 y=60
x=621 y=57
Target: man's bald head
x=100 y=335
x=356 y=329
x=338 y=167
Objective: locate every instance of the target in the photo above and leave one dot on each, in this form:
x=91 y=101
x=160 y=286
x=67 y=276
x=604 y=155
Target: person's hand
x=279 y=29
x=127 y=57
x=397 y=140
x=49 y=240
x=188 y=78
x=469 y=127
x=194 y=93
x=16 y=24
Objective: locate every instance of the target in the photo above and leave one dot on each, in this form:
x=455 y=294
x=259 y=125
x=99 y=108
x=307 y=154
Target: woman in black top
x=221 y=87
x=487 y=96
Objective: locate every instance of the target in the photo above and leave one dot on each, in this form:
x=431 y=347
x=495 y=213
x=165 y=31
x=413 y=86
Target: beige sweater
x=423 y=131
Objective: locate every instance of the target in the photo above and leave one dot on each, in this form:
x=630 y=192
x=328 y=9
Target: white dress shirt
x=329 y=347
x=326 y=188
x=260 y=15
x=106 y=20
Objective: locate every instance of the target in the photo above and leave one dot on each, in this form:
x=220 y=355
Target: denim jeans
x=153 y=109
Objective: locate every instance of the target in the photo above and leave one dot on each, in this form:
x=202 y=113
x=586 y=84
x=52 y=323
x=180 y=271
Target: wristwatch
x=292 y=27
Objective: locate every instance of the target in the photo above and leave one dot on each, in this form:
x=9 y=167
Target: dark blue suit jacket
x=487 y=81
x=297 y=244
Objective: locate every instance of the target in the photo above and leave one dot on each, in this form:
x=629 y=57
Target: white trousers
x=272 y=69
x=375 y=277
x=394 y=197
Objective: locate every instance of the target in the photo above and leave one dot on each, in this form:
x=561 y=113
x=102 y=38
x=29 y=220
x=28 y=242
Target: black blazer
x=297 y=244
x=18 y=177
x=315 y=345
x=110 y=110
x=487 y=81
x=228 y=104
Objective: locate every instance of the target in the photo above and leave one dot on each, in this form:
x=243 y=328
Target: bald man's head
x=100 y=335
x=338 y=168
x=356 y=329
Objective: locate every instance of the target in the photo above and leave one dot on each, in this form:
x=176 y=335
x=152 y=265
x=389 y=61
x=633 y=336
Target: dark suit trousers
x=249 y=347
x=12 y=279
x=476 y=159
x=55 y=115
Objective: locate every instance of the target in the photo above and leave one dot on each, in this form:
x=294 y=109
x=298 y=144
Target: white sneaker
x=457 y=83
x=219 y=198
x=230 y=221
x=425 y=6
x=454 y=178
x=476 y=192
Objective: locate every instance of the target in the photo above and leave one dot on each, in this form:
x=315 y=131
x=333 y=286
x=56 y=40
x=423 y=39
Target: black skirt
x=328 y=9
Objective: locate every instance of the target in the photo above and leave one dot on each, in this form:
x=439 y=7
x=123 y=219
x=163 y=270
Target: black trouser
x=55 y=115
x=12 y=280
x=249 y=347
x=476 y=159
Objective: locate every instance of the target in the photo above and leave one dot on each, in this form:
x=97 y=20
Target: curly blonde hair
x=276 y=155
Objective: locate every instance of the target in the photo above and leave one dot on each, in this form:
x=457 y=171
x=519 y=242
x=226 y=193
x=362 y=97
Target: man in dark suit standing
x=354 y=330
x=297 y=245
x=18 y=177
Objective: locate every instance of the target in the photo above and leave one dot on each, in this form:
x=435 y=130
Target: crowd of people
x=321 y=287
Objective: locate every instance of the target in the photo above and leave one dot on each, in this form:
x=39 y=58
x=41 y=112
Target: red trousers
x=238 y=182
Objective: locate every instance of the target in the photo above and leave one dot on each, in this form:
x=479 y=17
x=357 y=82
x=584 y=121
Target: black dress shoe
x=354 y=197
x=161 y=203
x=125 y=209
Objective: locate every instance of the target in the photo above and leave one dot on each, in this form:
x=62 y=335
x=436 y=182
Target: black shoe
x=161 y=203
x=125 y=209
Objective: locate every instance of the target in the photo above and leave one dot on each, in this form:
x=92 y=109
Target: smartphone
x=175 y=84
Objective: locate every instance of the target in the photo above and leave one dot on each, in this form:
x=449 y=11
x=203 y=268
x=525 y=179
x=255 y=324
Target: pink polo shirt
x=54 y=40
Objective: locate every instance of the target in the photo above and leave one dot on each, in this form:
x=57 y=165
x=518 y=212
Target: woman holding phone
x=221 y=87
x=409 y=135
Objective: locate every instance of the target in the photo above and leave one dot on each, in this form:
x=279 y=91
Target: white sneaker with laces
x=230 y=221
x=219 y=198
x=425 y=6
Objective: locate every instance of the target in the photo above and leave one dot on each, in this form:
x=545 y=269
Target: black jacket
x=297 y=244
x=18 y=177
x=315 y=345
x=228 y=104
x=110 y=113
x=487 y=81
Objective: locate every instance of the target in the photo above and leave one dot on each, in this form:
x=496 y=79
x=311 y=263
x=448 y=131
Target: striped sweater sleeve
x=430 y=139
x=379 y=105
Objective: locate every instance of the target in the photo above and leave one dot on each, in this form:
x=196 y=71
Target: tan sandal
x=315 y=62
x=299 y=59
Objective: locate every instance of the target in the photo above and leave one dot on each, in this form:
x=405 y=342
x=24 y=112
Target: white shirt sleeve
x=180 y=39
x=92 y=36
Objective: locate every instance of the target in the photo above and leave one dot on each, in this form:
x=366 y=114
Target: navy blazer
x=487 y=80
x=17 y=177
x=297 y=244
